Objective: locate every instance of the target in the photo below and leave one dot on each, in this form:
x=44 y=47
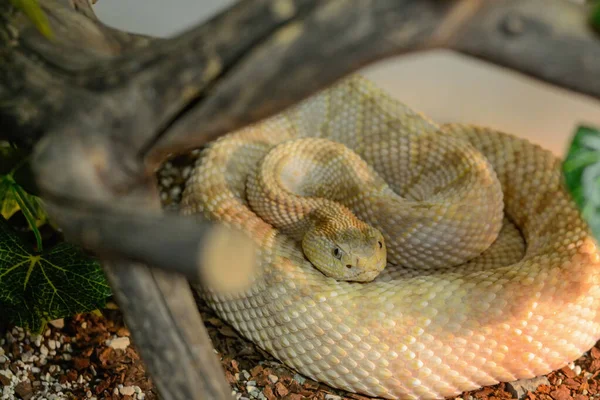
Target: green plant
x=595 y=15
x=581 y=169
x=39 y=284
x=34 y=12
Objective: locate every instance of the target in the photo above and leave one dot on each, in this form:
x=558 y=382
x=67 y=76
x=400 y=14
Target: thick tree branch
x=548 y=40
x=103 y=108
x=39 y=92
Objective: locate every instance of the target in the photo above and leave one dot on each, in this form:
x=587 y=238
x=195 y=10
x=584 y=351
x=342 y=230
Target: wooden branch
x=163 y=318
x=548 y=40
x=103 y=108
x=41 y=92
x=294 y=61
x=199 y=250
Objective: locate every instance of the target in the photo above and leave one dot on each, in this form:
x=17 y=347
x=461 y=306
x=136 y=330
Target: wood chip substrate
x=92 y=357
x=84 y=357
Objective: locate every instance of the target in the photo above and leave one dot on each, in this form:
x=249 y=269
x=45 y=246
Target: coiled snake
x=440 y=318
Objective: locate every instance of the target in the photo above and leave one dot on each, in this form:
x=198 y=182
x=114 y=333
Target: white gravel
x=25 y=376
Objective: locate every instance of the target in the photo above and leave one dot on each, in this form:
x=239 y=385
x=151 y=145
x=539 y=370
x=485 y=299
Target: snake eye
x=337 y=253
x=380 y=244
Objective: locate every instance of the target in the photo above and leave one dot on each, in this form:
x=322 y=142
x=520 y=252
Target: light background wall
x=443 y=85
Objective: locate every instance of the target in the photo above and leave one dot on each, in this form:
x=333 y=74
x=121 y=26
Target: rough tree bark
x=103 y=108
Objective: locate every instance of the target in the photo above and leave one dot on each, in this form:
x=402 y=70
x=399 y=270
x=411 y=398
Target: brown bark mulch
x=91 y=358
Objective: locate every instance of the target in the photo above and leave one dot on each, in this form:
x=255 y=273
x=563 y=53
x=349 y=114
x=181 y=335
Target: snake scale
x=508 y=305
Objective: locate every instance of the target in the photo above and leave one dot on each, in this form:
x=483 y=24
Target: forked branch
x=103 y=108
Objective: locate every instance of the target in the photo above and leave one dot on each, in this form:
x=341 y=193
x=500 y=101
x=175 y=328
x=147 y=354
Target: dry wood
x=103 y=108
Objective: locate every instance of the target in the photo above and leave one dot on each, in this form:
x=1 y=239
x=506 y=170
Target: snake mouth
x=364 y=276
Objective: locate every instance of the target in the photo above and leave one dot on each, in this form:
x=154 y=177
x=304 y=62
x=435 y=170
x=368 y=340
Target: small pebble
x=52 y=344
x=27 y=356
x=577 y=370
x=253 y=391
x=273 y=378
x=58 y=323
x=246 y=374
x=332 y=397
x=176 y=191
x=120 y=343
x=300 y=379
x=127 y=390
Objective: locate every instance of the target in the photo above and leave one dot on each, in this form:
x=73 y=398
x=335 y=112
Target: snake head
x=345 y=248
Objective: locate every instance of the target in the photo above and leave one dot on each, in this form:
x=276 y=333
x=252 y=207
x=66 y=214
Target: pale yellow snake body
x=422 y=329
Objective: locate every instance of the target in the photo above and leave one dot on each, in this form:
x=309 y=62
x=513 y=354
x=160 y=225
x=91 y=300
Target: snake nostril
x=348 y=266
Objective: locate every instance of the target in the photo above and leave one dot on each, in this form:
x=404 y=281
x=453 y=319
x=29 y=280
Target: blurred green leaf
x=581 y=170
x=32 y=9
x=595 y=16
x=10 y=157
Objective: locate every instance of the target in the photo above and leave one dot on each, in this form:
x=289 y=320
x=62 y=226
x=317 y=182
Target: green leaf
x=13 y=162
x=32 y=9
x=13 y=198
x=11 y=157
x=39 y=287
x=581 y=170
x=595 y=16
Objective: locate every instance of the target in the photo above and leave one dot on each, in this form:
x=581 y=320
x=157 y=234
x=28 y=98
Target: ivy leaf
x=581 y=170
x=34 y=12
x=13 y=198
x=38 y=287
x=13 y=163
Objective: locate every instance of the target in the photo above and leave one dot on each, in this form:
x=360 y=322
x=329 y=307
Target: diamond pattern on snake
x=400 y=258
